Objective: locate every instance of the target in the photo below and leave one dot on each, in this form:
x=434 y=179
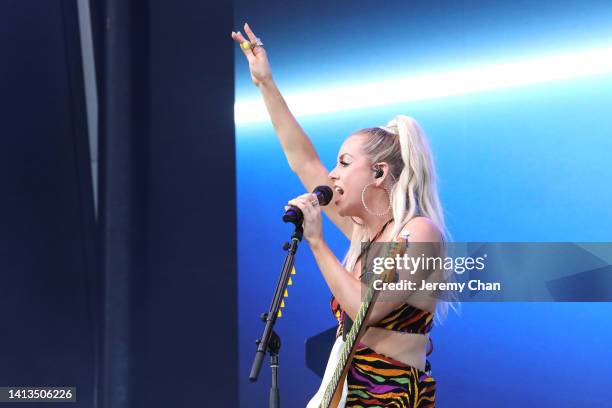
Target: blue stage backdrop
x=523 y=163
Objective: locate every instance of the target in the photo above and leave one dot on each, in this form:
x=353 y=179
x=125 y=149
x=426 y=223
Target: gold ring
x=245 y=45
x=314 y=202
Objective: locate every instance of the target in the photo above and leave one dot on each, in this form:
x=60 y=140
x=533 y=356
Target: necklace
x=366 y=250
x=343 y=327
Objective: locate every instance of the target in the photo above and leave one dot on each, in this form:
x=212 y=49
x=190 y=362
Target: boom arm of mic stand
x=270 y=318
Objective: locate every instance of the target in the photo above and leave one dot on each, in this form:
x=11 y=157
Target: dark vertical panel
x=167 y=207
x=186 y=346
x=48 y=290
x=120 y=164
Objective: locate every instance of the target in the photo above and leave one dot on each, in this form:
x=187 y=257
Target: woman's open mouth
x=340 y=192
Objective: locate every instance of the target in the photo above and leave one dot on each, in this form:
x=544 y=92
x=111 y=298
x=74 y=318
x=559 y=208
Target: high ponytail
x=415 y=192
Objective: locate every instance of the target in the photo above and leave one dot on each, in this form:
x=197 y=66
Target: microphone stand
x=270 y=341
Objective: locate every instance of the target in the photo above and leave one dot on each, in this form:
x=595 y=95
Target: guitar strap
x=365 y=276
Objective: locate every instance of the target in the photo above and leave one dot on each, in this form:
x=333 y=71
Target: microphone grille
x=324 y=194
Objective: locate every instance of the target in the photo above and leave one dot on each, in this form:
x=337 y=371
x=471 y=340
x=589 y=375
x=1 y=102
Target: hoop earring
x=366 y=207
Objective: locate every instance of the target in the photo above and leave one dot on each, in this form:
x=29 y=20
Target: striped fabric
x=405 y=318
x=375 y=380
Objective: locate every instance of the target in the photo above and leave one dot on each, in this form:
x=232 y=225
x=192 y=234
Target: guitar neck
x=352 y=337
x=333 y=392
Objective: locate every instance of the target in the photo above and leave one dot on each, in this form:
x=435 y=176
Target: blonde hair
x=402 y=144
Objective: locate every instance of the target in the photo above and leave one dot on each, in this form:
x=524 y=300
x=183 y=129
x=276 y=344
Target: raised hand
x=255 y=54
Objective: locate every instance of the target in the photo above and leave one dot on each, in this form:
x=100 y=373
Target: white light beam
x=460 y=82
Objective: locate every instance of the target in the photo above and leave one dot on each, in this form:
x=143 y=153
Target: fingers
x=305 y=202
x=307 y=197
x=299 y=202
x=296 y=203
x=253 y=38
x=250 y=33
x=239 y=38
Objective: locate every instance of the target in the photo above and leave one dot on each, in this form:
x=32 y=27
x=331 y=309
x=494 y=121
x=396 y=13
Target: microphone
x=294 y=215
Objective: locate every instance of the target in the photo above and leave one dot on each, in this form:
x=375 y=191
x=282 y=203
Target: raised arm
x=299 y=151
